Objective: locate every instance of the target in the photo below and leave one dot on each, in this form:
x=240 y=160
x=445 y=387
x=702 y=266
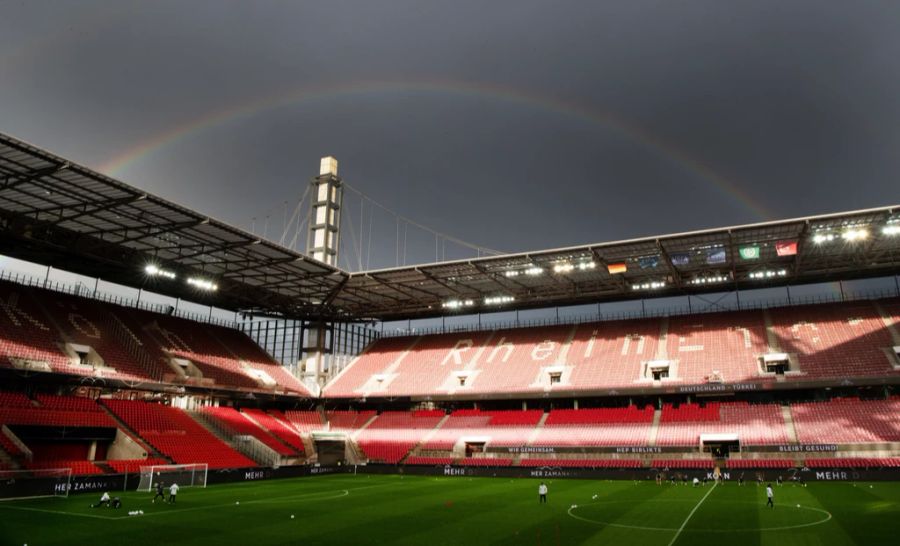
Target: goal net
x=185 y=475
x=20 y=484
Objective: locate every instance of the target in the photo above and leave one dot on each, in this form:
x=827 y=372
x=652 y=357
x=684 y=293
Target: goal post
x=185 y=475
x=48 y=482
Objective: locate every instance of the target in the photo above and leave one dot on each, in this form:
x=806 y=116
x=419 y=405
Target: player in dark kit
x=159 y=492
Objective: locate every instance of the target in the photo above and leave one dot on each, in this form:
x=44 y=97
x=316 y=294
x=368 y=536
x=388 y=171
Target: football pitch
x=378 y=509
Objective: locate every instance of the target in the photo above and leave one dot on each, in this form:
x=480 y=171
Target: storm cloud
x=515 y=125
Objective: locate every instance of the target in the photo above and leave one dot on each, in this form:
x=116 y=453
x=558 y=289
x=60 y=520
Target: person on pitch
x=104 y=500
x=173 y=490
x=159 y=493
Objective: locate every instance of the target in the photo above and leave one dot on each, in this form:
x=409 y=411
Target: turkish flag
x=786 y=248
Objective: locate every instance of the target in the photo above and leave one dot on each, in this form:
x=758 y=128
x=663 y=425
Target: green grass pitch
x=376 y=509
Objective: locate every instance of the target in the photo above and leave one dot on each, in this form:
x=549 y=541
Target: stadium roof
x=847 y=245
x=58 y=213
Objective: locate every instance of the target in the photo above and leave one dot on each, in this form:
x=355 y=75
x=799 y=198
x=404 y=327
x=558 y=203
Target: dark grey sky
x=517 y=125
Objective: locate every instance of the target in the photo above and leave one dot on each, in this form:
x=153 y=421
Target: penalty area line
x=303 y=497
x=311 y=496
x=688 y=518
x=59 y=512
x=307 y=497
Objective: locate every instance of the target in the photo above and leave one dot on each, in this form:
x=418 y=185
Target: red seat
x=233 y=420
x=394 y=433
x=847 y=421
x=175 y=434
x=831 y=341
x=699 y=464
x=133 y=466
x=583 y=463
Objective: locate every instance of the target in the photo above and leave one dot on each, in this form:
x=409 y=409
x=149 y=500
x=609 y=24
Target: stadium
x=102 y=394
x=170 y=377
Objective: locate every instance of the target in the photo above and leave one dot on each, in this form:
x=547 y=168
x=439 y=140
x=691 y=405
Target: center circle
x=571 y=512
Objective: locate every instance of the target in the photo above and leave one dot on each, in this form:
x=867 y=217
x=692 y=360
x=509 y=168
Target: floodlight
x=156 y=271
x=768 y=274
x=456 y=304
x=855 y=234
x=709 y=280
x=497 y=300
x=653 y=285
x=203 y=284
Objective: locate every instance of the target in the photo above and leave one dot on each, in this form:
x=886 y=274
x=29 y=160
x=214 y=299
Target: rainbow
x=307 y=95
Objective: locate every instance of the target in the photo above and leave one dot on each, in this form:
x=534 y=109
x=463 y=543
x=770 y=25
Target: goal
x=185 y=475
x=21 y=484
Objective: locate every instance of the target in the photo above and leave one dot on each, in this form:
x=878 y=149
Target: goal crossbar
x=45 y=482
x=185 y=475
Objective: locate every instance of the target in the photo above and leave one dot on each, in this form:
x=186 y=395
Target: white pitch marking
x=687 y=519
x=827 y=518
x=60 y=512
x=340 y=493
